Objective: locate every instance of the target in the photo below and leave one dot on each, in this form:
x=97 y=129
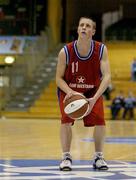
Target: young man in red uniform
x=83 y=67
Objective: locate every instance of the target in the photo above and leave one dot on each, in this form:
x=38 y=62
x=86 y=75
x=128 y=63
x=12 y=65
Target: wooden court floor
x=38 y=139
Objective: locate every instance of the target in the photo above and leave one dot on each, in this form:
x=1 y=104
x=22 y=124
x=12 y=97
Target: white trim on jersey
x=89 y=54
x=67 y=54
x=101 y=51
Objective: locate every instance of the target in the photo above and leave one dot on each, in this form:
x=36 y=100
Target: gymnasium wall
x=54 y=16
x=63 y=22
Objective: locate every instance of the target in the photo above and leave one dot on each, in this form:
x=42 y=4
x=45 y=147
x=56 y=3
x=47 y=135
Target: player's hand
x=69 y=94
x=91 y=101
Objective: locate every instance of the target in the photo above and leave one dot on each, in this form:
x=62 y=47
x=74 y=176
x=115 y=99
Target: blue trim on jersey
x=89 y=54
x=58 y=93
x=67 y=54
x=101 y=51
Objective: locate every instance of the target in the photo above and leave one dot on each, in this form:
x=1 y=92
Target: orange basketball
x=77 y=106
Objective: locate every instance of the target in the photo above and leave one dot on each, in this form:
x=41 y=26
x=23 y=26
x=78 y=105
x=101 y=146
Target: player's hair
x=94 y=23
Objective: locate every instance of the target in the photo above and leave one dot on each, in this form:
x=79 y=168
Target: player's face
x=86 y=28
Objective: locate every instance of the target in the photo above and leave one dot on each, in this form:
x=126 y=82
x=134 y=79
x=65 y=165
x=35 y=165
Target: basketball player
x=83 y=67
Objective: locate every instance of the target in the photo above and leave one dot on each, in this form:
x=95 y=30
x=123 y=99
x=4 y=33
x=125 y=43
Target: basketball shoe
x=99 y=163
x=66 y=163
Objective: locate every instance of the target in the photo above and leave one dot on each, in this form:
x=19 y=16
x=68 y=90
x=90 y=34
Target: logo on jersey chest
x=80 y=82
x=80 y=79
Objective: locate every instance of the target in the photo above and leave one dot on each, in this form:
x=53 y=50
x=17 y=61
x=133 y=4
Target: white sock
x=98 y=154
x=66 y=154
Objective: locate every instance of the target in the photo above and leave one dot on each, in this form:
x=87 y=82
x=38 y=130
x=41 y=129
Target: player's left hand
x=91 y=101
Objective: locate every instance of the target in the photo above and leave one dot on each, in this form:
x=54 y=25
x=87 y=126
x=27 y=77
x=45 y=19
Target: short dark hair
x=86 y=17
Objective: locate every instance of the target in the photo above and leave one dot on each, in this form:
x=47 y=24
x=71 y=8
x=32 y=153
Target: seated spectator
x=117 y=105
x=133 y=70
x=129 y=104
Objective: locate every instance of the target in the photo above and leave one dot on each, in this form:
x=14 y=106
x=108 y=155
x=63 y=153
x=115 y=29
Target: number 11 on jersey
x=74 y=67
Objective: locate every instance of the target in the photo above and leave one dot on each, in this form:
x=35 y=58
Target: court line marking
x=7 y=165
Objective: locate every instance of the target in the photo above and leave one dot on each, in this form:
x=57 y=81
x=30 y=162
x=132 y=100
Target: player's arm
x=60 y=71
x=106 y=78
x=106 y=74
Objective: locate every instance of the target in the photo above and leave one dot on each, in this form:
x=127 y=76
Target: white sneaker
x=66 y=164
x=100 y=164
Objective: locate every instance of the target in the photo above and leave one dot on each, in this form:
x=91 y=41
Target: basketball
x=77 y=106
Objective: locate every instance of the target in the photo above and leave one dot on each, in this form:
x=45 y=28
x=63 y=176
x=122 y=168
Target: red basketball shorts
x=96 y=117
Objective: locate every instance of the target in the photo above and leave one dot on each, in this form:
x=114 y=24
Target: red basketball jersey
x=83 y=73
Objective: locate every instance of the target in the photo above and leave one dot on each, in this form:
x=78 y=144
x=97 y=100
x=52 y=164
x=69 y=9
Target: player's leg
x=96 y=118
x=66 y=137
x=99 y=136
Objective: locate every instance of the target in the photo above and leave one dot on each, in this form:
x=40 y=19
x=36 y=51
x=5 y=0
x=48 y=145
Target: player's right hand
x=69 y=94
